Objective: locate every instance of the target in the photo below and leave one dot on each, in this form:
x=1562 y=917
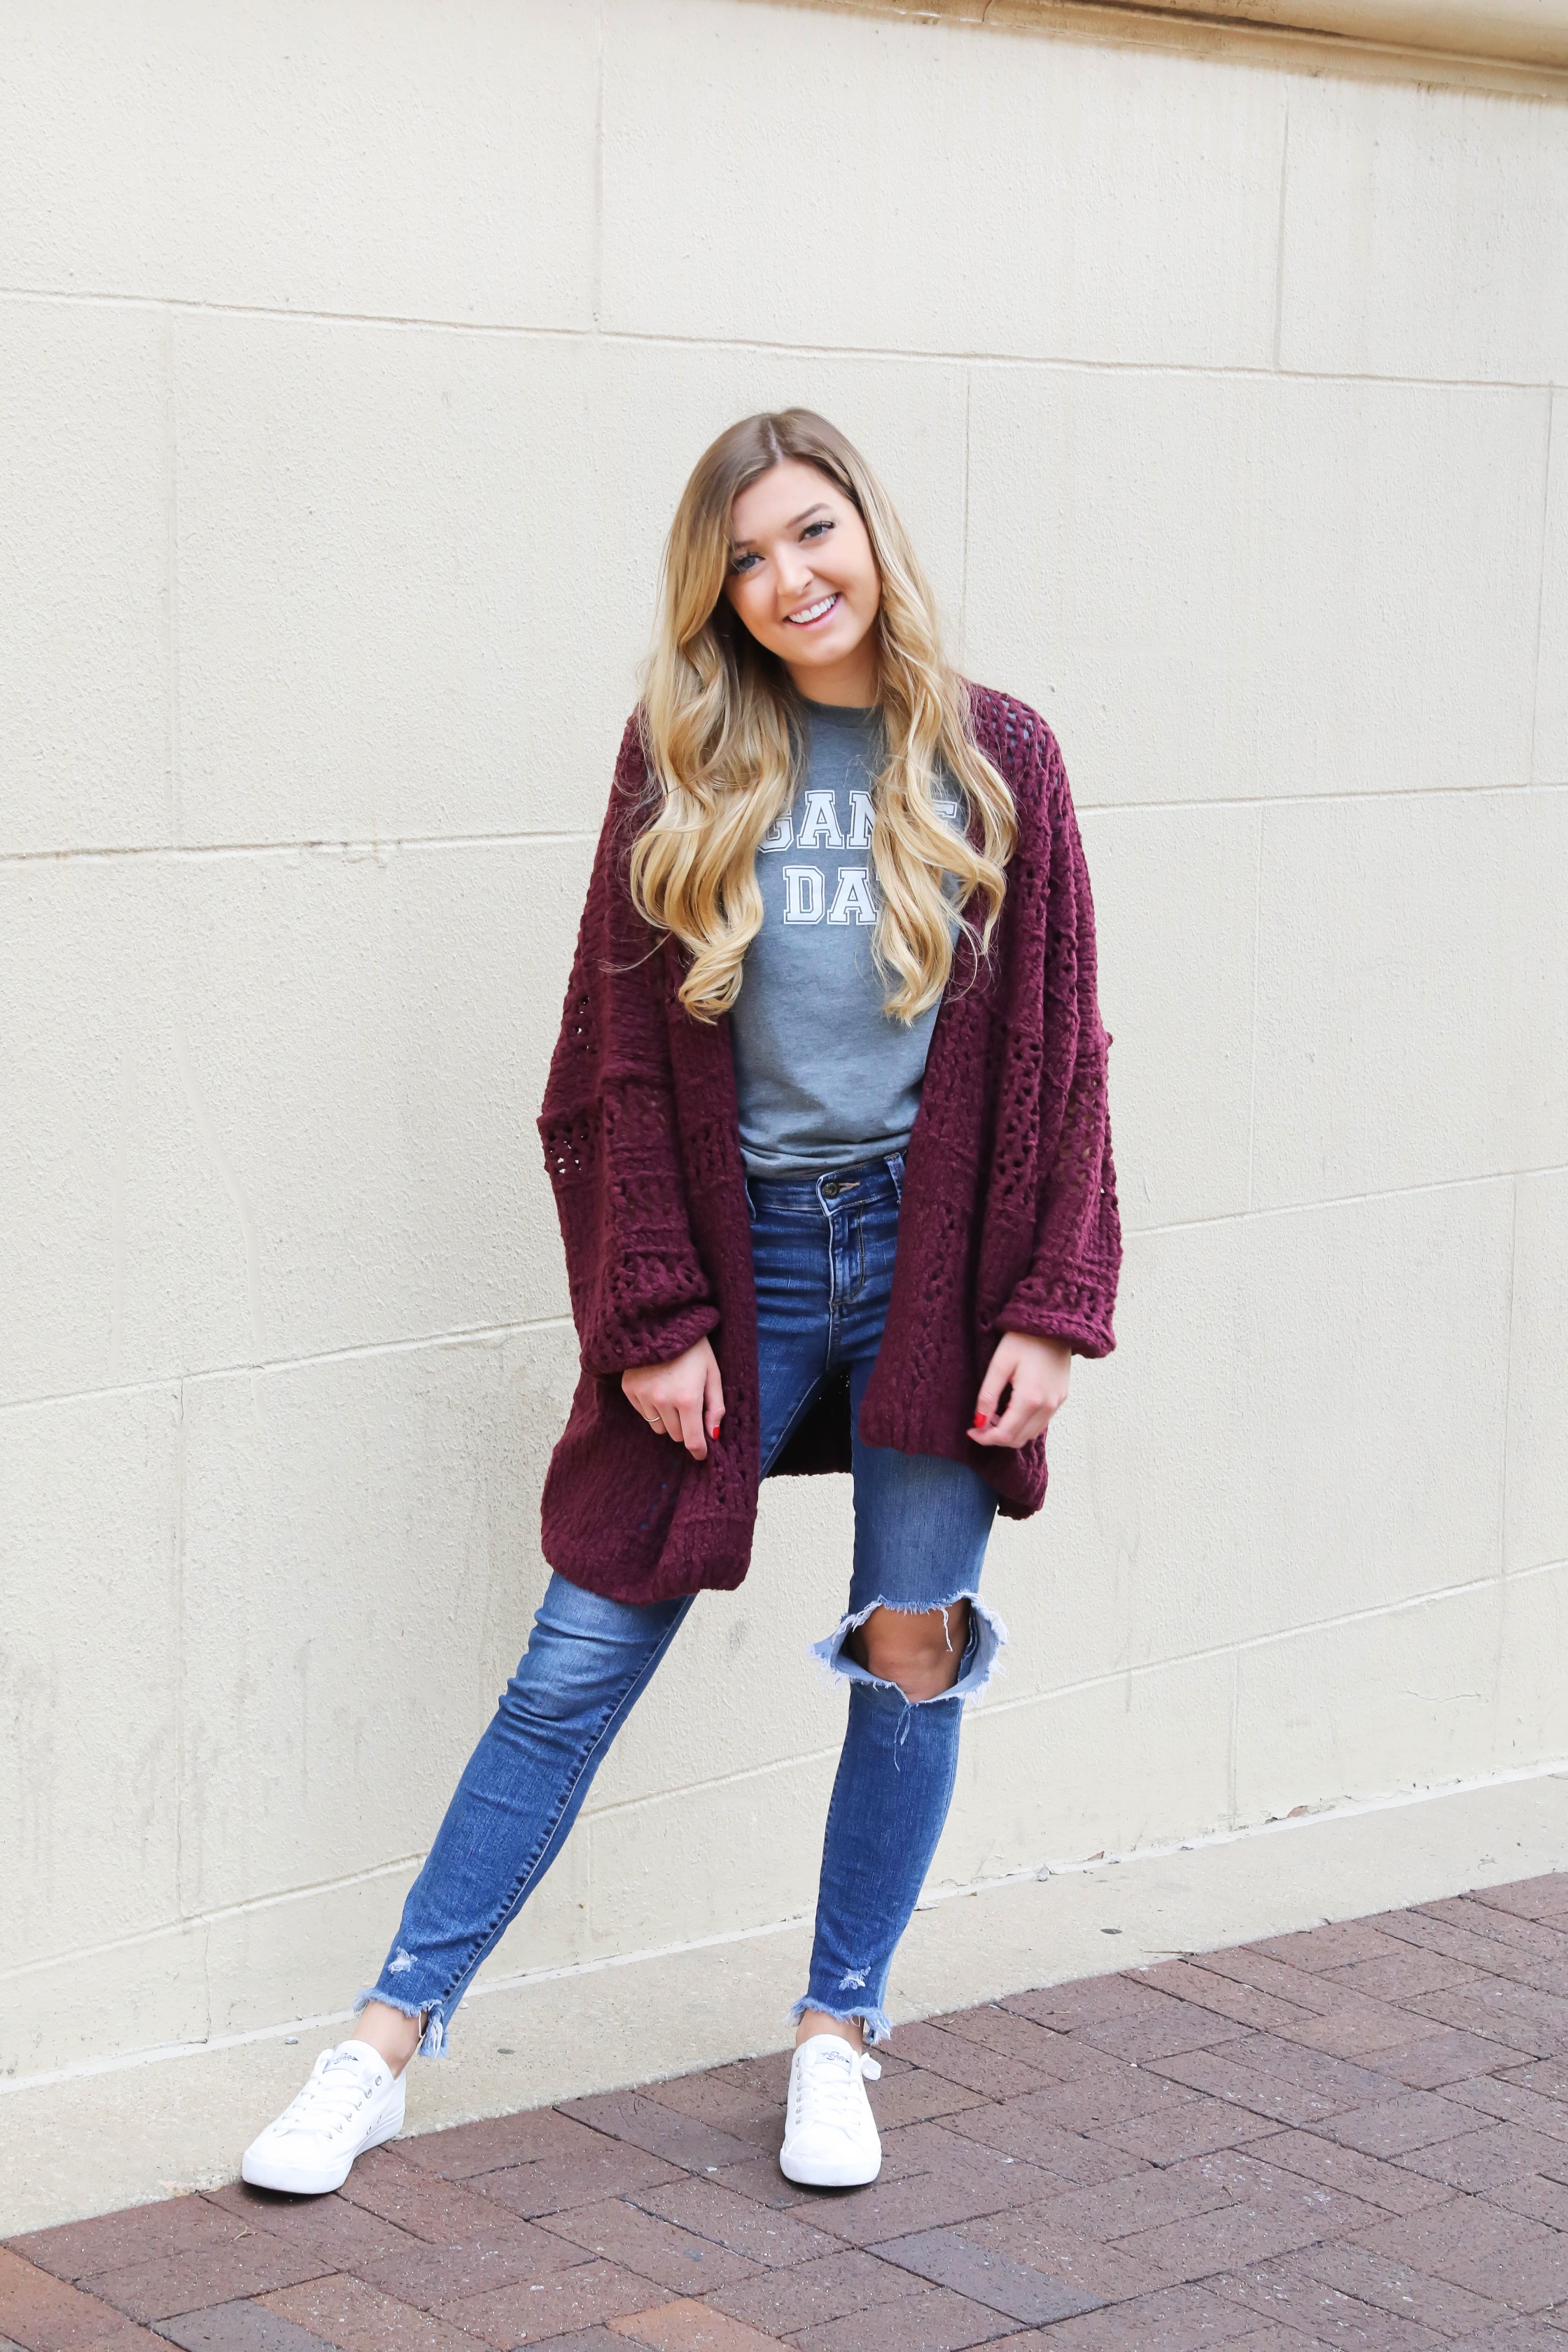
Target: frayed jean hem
x=875 y=2023
x=433 y=2041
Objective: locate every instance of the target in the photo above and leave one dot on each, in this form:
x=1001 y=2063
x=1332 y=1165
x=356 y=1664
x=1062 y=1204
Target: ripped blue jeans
x=823 y=1252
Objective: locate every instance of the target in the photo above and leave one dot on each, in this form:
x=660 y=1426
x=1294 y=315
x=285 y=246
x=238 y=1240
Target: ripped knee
x=961 y=1639
x=921 y=1650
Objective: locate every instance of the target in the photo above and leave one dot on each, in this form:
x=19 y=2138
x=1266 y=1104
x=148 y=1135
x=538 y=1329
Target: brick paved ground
x=1355 y=2138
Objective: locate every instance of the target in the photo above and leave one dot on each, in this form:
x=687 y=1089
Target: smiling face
x=804 y=580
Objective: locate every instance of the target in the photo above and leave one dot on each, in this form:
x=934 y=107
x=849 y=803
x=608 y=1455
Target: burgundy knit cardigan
x=1008 y=1222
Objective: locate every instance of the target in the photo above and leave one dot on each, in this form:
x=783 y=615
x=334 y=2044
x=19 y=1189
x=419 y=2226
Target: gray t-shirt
x=824 y=1076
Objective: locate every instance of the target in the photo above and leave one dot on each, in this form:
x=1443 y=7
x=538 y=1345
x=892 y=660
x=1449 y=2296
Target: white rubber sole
x=848 y=2172
x=302 y=2181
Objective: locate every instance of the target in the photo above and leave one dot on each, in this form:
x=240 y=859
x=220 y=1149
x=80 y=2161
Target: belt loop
x=896 y=1171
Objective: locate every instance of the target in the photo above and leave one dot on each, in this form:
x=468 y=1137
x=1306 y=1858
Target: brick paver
x=1352 y=2136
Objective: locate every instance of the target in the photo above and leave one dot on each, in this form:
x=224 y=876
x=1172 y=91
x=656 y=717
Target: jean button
x=832 y=1189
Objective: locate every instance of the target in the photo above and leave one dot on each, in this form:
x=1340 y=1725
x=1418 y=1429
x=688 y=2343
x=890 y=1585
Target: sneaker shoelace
x=329 y=2099
x=827 y=2083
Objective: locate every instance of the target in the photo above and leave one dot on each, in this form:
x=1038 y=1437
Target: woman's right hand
x=683 y=1399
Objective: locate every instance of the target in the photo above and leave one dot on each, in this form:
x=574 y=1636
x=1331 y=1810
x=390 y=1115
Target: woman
x=827 y=1128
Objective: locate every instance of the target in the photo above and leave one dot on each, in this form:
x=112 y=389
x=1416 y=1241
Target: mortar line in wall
x=1351 y=1809
x=190 y=1921
x=351 y=850
x=1124 y=1672
x=117 y=1223
x=1110 y=1677
x=1256 y=991
x=173 y=809
x=1338 y=1201
x=1279 y=243
x=478 y=1334
x=1232 y=1745
x=719 y=1780
x=293 y=2027
x=1274 y=1640
x=955 y=356
x=198 y=1920
x=1510 y=790
x=596 y=236
x=1114 y=1676
x=963 y=558
x=1541 y=584
x=1554 y=1767
x=1341 y=1200
x=179 y=1602
x=1508 y=1387
x=363 y=850
x=462 y=1336
x=473 y=1335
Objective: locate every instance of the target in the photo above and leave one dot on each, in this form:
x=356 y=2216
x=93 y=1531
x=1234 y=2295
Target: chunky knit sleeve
x=1069 y=1290
x=639 y=1293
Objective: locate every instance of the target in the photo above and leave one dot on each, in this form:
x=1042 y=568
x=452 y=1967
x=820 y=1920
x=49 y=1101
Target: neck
x=852 y=684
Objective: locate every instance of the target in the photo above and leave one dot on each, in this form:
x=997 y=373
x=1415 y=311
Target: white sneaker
x=830 y=2133
x=352 y=2101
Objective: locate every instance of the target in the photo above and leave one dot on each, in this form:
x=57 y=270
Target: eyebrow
x=821 y=507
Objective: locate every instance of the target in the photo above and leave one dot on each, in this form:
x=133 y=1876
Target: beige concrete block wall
x=351 y=360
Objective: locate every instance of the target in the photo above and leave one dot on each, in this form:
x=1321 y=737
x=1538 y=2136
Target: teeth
x=813 y=611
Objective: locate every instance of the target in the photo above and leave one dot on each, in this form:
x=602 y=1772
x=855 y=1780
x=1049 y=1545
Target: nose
x=794 y=575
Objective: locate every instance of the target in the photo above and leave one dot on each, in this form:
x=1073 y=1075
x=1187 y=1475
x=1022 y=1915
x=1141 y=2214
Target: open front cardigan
x=1008 y=1220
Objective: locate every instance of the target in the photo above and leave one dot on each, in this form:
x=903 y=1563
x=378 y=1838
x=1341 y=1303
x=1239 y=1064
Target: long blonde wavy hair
x=723 y=727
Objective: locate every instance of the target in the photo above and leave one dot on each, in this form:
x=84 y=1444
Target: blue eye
x=813 y=528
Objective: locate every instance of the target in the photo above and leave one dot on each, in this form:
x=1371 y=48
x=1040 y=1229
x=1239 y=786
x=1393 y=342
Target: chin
x=834 y=647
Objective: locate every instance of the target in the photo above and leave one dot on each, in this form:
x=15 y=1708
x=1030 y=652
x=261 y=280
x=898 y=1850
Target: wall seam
x=206 y=1920
x=597 y=246
x=173 y=813
x=1233 y=1757
x=940 y=356
x=1119 y=1675
x=474 y=1335
x=1540 y=591
x=117 y=1245
x=771 y=1770
x=1256 y=991
x=1393 y=793
x=1215 y=1651
x=355 y=850
x=180 y=1664
x=1279 y=241
x=481 y=1334
x=1507 y=1390
x=963 y=575
x=1351 y=1809
x=1341 y=1201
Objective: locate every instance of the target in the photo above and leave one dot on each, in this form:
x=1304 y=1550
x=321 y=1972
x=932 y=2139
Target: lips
x=809 y=614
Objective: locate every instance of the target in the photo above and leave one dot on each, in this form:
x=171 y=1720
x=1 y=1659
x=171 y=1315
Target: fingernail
x=979 y=1422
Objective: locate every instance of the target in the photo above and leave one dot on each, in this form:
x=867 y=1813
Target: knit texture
x=1009 y=1218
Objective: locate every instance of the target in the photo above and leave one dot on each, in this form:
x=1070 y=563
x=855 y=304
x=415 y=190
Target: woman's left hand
x=1037 y=1371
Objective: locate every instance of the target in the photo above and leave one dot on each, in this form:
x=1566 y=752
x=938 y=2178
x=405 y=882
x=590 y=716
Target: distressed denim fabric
x=823 y=1253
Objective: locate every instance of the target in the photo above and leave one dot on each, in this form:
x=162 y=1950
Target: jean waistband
x=862 y=1181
